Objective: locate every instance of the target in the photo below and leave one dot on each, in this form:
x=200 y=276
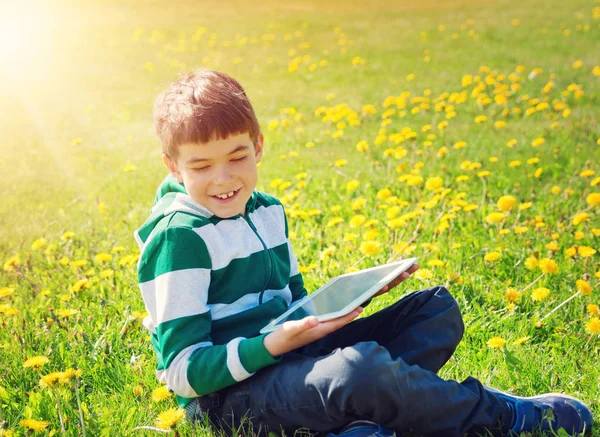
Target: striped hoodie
x=210 y=284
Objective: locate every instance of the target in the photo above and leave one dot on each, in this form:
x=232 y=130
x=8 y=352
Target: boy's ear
x=172 y=167
x=258 y=147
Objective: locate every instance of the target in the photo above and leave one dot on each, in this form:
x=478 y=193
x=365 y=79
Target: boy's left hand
x=399 y=279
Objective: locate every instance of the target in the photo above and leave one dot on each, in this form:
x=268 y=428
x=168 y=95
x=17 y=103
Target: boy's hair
x=203 y=105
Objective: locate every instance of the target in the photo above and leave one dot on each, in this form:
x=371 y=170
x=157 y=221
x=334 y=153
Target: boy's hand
x=396 y=281
x=297 y=333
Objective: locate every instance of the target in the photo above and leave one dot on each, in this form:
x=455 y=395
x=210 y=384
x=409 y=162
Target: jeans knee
x=367 y=363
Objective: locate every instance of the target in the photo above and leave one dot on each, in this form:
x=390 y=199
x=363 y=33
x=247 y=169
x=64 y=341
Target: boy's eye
x=201 y=168
x=240 y=159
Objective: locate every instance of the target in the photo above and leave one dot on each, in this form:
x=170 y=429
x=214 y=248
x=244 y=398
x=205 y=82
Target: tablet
x=342 y=294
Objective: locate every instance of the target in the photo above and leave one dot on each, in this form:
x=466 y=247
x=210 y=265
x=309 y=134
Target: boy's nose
x=223 y=176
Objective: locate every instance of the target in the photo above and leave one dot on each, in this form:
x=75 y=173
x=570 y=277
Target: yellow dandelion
x=512 y=295
x=506 y=203
x=593 y=199
x=492 y=256
x=6 y=291
x=161 y=393
x=496 y=342
x=35 y=425
x=593 y=309
x=423 y=274
x=370 y=248
x=11 y=263
x=334 y=221
x=40 y=242
x=67 y=235
x=168 y=419
x=103 y=257
x=580 y=217
x=36 y=362
x=593 y=326
x=539 y=294
x=436 y=263
x=521 y=340
x=584 y=287
x=384 y=193
x=538 y=142
x=494 y=217
x=548 y=266
x=434 y=183
x=70 y=375
x=51 y=379
x=327 y=253
x=66 y=313
x=352 y=185
x=586 y=251
x=81 y=284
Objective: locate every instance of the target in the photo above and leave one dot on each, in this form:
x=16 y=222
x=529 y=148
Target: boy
x=217 y=265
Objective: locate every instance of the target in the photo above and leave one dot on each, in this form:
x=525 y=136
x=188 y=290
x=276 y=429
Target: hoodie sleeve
x=174 y=276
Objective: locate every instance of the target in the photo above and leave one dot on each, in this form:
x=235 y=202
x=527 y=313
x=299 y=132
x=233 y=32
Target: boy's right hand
x=297 y=333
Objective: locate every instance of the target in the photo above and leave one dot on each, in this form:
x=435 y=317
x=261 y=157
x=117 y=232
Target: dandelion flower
x=370 y=248
x=103 y=257
x=496 y=342
x=513 y=295
x=593 y=326
x=521 y=340
x=334 y=221
x=580 y=217
x=593 y=309
x=423 y=274
x=586 y=251
x=434 y=183
x=352 y=185
x=40 y=242
x=540 y=294
x=161 y=393
x=548 y=266
x=384 y=194
x=584 y=287
x=50 y=379
x=6 y=291
x=593 y=199
x=11 y=263
x=67 y=235
x=492 y=256
x=538 y=142
x=81 y=284
x=494 y=217
x=35 y=425
x=36 y=362
x=506 y=203
x=167 y=419
x=70 y=375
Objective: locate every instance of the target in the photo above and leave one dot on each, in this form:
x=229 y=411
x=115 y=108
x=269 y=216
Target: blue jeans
x=381 y=368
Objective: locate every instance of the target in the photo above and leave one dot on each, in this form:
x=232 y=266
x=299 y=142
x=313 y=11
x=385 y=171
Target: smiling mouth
x=226 y=196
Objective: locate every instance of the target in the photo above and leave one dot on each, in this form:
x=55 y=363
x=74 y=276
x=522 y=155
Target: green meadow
x=463 y=133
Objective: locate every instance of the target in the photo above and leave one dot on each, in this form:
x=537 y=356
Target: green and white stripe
x=196 y=269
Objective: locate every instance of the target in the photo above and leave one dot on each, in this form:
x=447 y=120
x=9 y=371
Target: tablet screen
x=336 y=295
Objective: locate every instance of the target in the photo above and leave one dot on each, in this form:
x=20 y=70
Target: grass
x=78 y=155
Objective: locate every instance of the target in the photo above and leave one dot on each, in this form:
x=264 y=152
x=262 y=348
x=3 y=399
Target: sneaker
x=547 y=412
x=364 y=428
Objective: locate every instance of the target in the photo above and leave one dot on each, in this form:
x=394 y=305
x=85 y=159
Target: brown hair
x=203 y=105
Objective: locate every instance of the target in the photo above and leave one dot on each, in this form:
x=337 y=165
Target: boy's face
x=215 y=170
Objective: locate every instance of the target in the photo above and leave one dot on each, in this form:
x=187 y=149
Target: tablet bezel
x=403 y=265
